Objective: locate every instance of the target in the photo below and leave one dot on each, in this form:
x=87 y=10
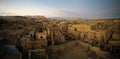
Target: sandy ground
x=70 y=50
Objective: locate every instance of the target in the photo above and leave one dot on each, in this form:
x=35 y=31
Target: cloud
x=32 y=10
x=4 y=12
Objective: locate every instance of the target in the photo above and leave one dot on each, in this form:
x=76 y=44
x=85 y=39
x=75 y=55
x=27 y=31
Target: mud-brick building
x=33 y=43
x=38 y=54
x=56 y=36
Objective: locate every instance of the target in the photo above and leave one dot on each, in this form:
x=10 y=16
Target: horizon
x=55 y=17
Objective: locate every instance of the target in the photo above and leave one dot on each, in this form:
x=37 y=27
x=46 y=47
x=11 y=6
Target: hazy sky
x=62 y=8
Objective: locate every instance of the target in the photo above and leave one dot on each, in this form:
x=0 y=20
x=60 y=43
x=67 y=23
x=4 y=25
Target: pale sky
x=62 y=8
